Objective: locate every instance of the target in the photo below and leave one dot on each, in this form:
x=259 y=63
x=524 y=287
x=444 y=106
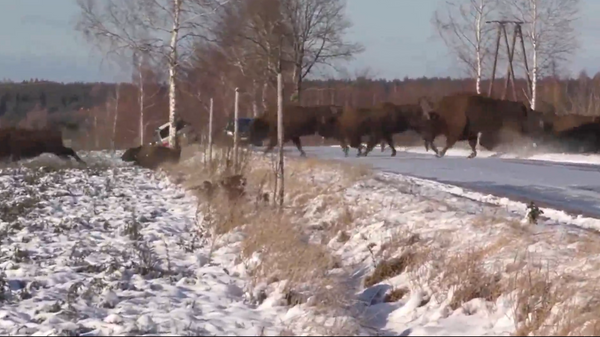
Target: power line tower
x=510 y=51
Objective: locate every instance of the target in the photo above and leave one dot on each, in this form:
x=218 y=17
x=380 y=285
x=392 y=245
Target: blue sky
x=38 y=40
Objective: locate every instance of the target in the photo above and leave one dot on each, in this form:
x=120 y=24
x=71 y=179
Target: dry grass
x=395 y=295
x=468 y=279
x=389 y=268
x=286 y=255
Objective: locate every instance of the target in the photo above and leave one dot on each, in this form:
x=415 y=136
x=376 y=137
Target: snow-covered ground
x=110 y=250
x=559 y=184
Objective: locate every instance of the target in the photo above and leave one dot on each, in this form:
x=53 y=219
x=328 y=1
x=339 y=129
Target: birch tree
x=163 y=29
x=461 y=25
x=316 y=36
x=549 y=32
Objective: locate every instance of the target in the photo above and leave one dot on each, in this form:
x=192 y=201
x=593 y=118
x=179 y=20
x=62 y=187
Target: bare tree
x=163 y=29
x=115 y=116
x=548 y=30
x=316 y=36
x=461 y=25
x=249 y=37
x=144 y=78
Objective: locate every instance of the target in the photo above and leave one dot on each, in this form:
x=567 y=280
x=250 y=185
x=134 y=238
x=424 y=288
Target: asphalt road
x=574 y=188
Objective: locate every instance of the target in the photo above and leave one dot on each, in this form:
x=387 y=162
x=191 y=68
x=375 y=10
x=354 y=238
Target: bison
x=463 y=116
x=17 y=144
x=378 y=123
x=348 y=126
x=298 y=121
x=152 y=156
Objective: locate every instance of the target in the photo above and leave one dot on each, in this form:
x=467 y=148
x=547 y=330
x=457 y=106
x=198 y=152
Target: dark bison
x=348 y=126
x=463 y=116
x=298 y=121
x=571 y=132
x=378 y=123
x=152 y=156
x=17 y=144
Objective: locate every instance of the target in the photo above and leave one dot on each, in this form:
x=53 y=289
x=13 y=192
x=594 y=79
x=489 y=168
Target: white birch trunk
x=264 y=96
x=254 y=100
x=534 y=41
x=173 y=75
x=116 y=116
x=96 y=133
x=280 y=131
x=142 y=107
x=210 y=131
x=235 y=127
x=478 y=42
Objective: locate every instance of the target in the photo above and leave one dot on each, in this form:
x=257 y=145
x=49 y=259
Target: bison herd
x=460 y=116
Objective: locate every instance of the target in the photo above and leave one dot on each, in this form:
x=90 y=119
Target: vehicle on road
x=243 y=130
x=185 y=132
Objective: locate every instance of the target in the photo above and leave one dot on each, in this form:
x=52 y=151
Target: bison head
x=131 y=154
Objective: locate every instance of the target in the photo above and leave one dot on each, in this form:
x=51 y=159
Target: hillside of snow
x=114 y=249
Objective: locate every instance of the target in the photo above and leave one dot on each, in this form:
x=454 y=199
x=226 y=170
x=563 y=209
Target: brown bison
x=378 y=123
x=463 y=116
x=17 y=144
x=347 y=126
x=298 y=121
x=571 y=132
x=152 y=156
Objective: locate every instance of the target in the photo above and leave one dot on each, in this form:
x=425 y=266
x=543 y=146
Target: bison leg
x=390 y=142
x=296 y=141
x=450 y=141
x=271 y=146
x=473 y=143
x=382 y=146
x=66 y=152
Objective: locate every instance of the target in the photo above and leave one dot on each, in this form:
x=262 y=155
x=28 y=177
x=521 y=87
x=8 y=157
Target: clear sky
x=37 y=39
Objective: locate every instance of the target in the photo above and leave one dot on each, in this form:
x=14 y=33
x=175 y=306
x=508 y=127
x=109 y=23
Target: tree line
x=186 y=52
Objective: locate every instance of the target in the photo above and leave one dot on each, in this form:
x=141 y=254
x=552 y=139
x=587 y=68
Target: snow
x=72 y=263
x=108 y=250
x=558 y=184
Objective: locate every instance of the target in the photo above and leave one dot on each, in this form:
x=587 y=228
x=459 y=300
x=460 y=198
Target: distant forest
x=36 y=103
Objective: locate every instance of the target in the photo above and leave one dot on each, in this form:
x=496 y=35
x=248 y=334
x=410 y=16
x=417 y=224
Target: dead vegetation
x=276 y=248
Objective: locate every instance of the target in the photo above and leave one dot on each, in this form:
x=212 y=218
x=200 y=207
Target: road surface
x=573 y=188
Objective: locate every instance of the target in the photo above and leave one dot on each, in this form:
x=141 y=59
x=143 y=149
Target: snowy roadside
x=111 y=250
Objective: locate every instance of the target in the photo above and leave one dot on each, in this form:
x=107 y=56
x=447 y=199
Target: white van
x=185 y=132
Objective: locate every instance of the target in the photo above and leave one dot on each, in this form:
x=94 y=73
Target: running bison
x=17 y=144
x=463 y=116
x=298 y=121
x=378 y=123
x=152 y=156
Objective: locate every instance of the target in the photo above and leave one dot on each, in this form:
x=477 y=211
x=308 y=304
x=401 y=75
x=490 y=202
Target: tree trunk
x=254 y=100
x=142 y=107
x=298 y=82
x=173 y=76
x=116 y=116
x=264 y=94
x=235 y=128
x=210 y=131
x=280 y=131
x=479 y=27
x=534 y=70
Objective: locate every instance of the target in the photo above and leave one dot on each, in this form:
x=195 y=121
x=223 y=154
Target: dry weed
x=387 y=269
x=535 y=296
x=466 y=275
x=395 y=295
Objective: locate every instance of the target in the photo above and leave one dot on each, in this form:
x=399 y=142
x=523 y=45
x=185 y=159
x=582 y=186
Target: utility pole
x=510 y=51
